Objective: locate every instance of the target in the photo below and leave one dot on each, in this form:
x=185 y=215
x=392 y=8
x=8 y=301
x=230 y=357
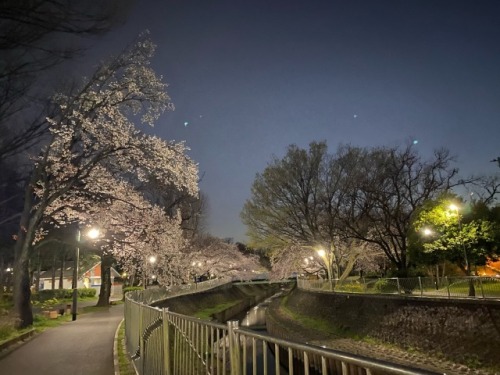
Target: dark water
x=255 y=319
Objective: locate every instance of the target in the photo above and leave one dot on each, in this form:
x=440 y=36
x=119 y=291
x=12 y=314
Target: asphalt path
x=84 y=346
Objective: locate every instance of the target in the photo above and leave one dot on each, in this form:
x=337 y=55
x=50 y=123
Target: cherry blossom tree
x=96 y=156
x=212 y=257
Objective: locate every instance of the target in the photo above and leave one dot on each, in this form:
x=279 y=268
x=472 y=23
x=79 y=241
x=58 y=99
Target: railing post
x=166 y=342
x=448 y=286
x=481 y=285
x=420 y=284
x=234 y=347
x=399 y=286
x=141 y=336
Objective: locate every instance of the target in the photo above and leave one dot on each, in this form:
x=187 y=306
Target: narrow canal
x=255 y=319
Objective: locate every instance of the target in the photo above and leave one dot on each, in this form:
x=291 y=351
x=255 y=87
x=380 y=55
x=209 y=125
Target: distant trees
x=313 y=199
x=210 y=256
x=465 y=235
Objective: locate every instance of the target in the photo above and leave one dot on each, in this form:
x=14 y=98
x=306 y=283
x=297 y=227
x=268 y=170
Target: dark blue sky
x=251 y=77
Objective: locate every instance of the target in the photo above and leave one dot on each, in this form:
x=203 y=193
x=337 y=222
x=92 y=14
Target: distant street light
x=328 y=263
x=427 y=232
x=151 y=260
x=92 y=233
x=472 y=291
x=455 y=208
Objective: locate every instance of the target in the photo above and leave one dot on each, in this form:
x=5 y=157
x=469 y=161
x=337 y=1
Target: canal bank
x=330 y=320
x=238 y=297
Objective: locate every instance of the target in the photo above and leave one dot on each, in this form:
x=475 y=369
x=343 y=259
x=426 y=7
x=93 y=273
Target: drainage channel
x=255 y=319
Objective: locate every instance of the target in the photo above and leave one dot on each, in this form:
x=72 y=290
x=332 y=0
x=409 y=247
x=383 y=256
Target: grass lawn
x=207 y=312
x=40 y=322
x=124 y=362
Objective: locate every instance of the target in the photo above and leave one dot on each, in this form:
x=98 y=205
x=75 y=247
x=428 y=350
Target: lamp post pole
x=328 y=263
x=466 y=260
x=151 y=260
x=472 y=290
x=75 y=276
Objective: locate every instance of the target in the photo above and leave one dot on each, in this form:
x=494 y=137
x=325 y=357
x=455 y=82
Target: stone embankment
x=449 y=336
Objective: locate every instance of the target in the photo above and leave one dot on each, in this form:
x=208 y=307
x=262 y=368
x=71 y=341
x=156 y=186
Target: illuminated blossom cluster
x=96 y=161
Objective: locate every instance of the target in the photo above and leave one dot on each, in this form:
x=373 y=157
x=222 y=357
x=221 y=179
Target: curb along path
x=84 y=346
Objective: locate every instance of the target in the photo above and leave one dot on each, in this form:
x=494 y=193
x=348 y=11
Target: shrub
x=46 y=304
x=350 y=288
x=6 y=329
x=47 y=294
x=87 y=292
x=385 y=286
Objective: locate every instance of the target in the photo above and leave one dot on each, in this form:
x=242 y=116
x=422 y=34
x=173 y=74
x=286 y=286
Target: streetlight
x=427 y=232
x=455 y=208
x=472 y=291
x=152 y=260
x=93 y=234
x=326 y=259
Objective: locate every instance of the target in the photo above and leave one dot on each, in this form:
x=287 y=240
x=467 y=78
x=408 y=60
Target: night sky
x=250 y=77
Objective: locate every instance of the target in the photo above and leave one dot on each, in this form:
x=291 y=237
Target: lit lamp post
x=92 y=233
x=328 y=263
x=455 y=208
x=194 y=264
x=472 y=291
x=151 y=260
x=428 y=233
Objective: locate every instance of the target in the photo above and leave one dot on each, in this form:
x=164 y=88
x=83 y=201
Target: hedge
x=46 y=294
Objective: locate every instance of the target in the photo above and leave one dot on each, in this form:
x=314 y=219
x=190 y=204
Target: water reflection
x=255 y=319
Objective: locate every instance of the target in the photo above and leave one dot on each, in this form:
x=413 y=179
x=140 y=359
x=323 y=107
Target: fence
x=445 y=287
x=166 y=343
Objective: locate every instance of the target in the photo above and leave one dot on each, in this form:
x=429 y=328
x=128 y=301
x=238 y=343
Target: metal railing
x=445 y=287
x=166 y=343
x=141 y=319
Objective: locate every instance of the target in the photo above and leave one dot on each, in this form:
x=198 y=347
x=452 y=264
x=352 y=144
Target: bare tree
x=357 y=196
x=296 y=203
x=36 y=35
x=389 y=185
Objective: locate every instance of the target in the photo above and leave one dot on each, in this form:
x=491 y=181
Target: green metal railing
x=166 y=343
x=445 y=287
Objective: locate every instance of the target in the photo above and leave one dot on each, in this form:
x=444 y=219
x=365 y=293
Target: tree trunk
x=2 y=278
x=38 y=270
x=54 y=263
x=61 y=274
x=105 y=292
x=24 y=245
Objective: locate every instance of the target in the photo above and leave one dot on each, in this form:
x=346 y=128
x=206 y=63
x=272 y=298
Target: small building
x=491 y=269
x=90 y=278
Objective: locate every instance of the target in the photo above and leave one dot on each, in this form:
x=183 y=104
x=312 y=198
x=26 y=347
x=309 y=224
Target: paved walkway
x=84 y=346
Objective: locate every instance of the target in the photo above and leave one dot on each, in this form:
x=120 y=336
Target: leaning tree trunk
x=22 y=292
x=24 y=246
x=2 y=278
x=105 y=292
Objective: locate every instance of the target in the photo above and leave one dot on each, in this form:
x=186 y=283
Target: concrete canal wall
x=454 y=328
x=247 y=296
